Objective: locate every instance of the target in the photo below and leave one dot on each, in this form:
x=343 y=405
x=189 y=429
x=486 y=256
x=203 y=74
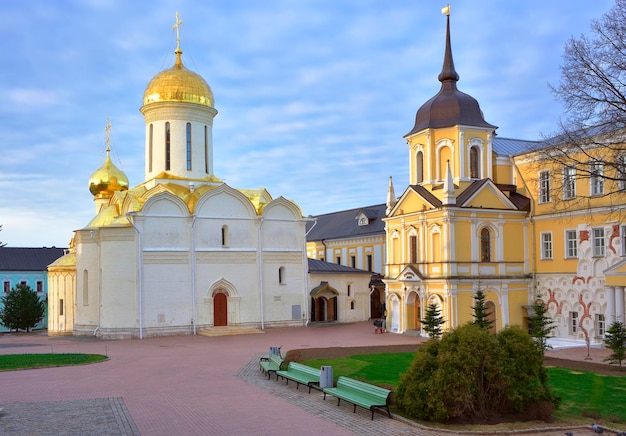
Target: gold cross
x=107 y=131
x=176 y=27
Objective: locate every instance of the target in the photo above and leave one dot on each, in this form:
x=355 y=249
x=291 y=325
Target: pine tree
x=22 y=309
x=481 y=313
x=615 y=340
x=433 y=321
x=540 y=324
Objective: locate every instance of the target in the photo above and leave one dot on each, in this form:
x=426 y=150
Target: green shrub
x=472 y=374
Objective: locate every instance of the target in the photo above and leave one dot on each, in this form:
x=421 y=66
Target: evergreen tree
x=22 y=309
x=615 y=340
x=433 y=321
x=481 y=313
x=540 y=324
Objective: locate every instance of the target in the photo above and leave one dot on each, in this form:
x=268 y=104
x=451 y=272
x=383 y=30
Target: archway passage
x=323 y=303
x=220 y=310
x=377 y=305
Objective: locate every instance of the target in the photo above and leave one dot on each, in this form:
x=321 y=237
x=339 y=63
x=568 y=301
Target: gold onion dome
x=107 y=179
x=178 y=84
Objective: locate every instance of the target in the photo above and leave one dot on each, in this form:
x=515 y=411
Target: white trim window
x=546 y=245
x=596 y=177
x=569 y=182
x=598 y=242
x=571 y=244
x=573 y=323
x=544 y=186
x=600 y=325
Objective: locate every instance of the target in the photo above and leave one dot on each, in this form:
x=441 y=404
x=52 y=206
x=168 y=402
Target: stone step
x=229 y=331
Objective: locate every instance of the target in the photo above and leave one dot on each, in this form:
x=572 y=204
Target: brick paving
x=190 y=385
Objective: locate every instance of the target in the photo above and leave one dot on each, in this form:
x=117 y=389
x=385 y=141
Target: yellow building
x=482 y=211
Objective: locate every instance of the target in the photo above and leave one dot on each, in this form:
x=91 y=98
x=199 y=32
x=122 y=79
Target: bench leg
x=324 y=396
x=372 y=414
x=338 y=401
x=354 y=411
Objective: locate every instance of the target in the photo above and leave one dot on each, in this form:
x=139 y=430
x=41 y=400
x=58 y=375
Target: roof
x=343 y=224
x=28 y=259
x=512 y=147
x=319 y=266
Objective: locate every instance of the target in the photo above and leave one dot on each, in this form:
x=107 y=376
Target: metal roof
x=512 y=147
x=319 y=266
x=343 y=224
x=28 y=259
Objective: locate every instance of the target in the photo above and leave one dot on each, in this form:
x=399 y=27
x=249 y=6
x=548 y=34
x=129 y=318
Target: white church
x=182 y=251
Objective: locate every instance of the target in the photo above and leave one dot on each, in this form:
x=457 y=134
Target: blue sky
x=314 y=96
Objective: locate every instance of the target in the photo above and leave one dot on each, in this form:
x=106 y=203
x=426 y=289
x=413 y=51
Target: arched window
x=150 y=145
x=419 y=167
x=281 y=275
x=167 y=146
x=485 y=245
x=474 y=156
x=225 y=236
x=188 y=133
x=412 y=249
x=352 y=305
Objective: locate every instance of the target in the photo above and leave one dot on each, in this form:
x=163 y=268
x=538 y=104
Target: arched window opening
x=85 y=288
x=150 y=147
x=485 y=245
x=281 y=275
x=188 y=133
x=419 y=167
x=352 y=305
x=474 y=163
x=225 y=236
x=167 y=146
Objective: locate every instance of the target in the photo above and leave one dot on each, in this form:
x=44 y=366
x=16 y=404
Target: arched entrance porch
x=323 y=303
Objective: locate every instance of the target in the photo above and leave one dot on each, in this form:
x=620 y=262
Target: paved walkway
x=190 y=385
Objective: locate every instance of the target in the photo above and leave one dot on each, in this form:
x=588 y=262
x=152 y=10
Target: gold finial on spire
x=107 y=135
x=176 y=27
x=446 y=10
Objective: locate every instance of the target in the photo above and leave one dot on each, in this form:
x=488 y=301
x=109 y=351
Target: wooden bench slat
x=273 y=364
x=360 y=394
x=301 y=374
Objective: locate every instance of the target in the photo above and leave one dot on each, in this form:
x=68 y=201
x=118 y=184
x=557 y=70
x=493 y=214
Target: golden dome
x=178 y=84
x=107 y=179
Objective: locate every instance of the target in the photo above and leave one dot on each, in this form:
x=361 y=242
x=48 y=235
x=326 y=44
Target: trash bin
x=326 y=377
x=275 y=350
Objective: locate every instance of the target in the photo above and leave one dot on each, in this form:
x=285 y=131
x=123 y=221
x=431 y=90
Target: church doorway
x=377 y=306
x=220 y=310
x=324 y=303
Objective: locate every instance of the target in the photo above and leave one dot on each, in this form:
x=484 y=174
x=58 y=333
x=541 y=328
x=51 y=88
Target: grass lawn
x=585 y=395
x=29 y=361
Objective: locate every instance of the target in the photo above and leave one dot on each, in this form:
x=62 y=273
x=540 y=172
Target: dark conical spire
x=447 y=71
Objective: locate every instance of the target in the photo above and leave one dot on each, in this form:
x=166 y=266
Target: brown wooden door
x=220 y=310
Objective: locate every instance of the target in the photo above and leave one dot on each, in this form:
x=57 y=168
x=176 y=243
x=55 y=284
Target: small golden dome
x=178 y=84
x=107 y=179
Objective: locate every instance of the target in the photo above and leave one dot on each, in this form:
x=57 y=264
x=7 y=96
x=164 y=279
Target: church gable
x=165 y=204
x=225 y=202
x=484 y=194
x=282 y=208
x=415 y=199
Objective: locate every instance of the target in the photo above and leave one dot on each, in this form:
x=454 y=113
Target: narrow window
x=413 y=249
x=167 y=146
x=61 y=307
x=571 y=244
x=621 y=172
x=281 y=275
x=150 y=145
x=206 y=149
x=600 y=325
x=225 y=236
x=338 y=260
x=39 y=286
x=474 y=163
x=85 y=288
x=7 y=287
x=569 y=183
x=353 y=261
x=485 y=245
x=419 y=167
x=596 y=172
x=349 y=290
x=369 y=262
x=188 y=133
x=352 y=305
x=598 y=242
x=544 y=186
x=546 y=245
x=573 y=323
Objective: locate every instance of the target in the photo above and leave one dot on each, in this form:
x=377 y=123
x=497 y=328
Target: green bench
x=271 y=365
x=301 y=374
x=360 y=394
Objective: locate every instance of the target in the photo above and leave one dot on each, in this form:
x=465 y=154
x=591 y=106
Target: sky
x=314 y=97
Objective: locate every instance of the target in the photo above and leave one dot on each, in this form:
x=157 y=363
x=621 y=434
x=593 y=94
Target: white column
x=619 y=303
x=610 y=305
x=504 y=305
